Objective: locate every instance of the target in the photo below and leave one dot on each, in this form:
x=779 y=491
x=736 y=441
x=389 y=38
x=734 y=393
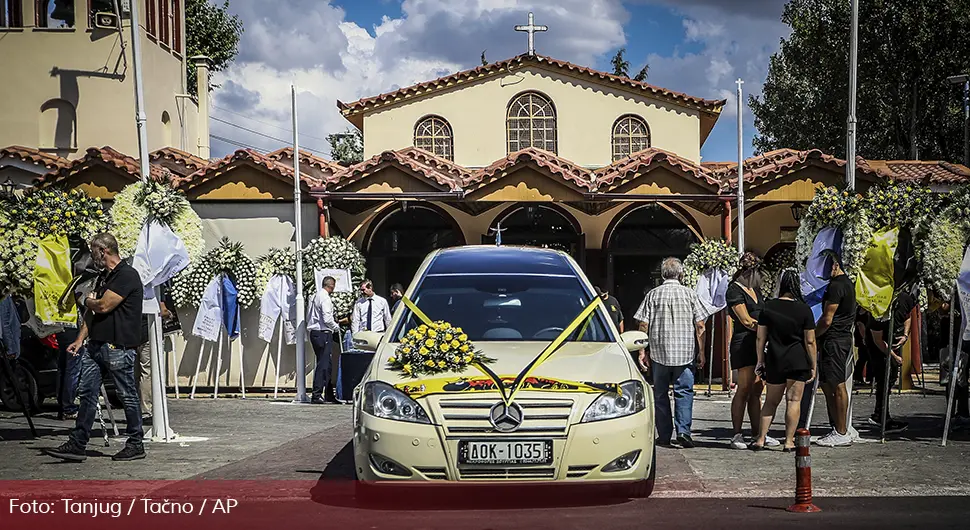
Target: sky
x=348 y=49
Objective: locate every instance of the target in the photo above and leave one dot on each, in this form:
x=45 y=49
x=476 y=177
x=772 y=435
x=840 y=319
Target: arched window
x=433 y=134
x=531 y=123
x=630 y=135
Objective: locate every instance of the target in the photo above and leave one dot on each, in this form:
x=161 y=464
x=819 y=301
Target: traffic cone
x=803 y=474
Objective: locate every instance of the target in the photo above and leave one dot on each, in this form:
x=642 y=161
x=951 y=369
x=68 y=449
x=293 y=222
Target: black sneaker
x=129 y=453
x=317 y=400
x=893 y=426
x=68 y=451
x=685 y=441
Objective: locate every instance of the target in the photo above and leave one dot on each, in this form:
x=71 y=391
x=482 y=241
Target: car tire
x=8 y=392
x=644 y=488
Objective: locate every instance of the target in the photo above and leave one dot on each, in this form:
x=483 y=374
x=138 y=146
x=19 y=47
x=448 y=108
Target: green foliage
x=621 y=66
x=906 y=108
x=347 y=147
x=212 y=31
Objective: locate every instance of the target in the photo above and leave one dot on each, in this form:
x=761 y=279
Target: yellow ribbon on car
x=523 y=379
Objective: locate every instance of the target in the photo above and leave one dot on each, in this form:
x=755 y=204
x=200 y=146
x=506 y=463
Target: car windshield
x=506 y=307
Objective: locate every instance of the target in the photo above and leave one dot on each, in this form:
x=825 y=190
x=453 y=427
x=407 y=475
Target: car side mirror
x=634 y=340
x=367 y=340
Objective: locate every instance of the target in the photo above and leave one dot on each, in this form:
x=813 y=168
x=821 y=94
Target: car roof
x=487 y=259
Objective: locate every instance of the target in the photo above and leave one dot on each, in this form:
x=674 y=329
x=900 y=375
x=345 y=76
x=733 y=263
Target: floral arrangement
x=435 y=349
x=133 y=206
x=56 y=211
x=276 y=262
x=709 y=254
x=334 y=253
x=838 y=208
x=943 y=244
x=900 y=205
x=229 y=258
x=18 y=254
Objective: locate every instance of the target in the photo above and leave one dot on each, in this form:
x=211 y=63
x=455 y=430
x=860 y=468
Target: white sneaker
x=834 y=439
x=771 y=442
x=738 y=442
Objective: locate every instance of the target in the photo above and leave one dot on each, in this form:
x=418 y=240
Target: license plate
x=505 y=452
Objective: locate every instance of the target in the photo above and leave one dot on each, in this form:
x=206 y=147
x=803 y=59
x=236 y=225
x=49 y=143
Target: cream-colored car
x=511 y=302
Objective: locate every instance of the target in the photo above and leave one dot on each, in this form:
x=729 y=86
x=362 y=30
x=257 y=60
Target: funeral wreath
x=141 y=201
x=228 y=258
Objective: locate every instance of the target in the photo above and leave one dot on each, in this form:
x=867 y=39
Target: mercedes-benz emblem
x=505 y=418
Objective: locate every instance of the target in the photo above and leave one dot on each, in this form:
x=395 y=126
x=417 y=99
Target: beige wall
x=585 y=112
x=83 y=72
x=763 y=228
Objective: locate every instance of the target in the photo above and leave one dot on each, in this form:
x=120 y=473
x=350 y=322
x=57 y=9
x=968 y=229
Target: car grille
x=540 y=417
x=507 y=473
x=579 y=471
x=433 y=473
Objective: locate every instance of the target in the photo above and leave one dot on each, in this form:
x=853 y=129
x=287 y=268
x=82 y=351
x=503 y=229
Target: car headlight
x=611 y=405
x=385 y=401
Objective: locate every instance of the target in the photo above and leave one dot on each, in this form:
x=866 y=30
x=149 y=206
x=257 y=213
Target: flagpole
x=160 y=429
x=853 y=76
x=740 y=172
x=953 y=369
x=301 y=396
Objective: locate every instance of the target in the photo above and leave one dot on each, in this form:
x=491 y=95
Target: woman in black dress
x=787 y=327
x=744 y=305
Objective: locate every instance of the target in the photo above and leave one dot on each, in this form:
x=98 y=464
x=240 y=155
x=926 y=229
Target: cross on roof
x=531 y=29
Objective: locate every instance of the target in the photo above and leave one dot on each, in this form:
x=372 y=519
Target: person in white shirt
x=371 y=312
x=322 y=326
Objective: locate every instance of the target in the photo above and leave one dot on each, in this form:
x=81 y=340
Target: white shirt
x=320 y=315
x=380 y=314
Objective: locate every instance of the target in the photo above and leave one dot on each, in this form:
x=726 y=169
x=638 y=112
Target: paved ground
x=306 y=448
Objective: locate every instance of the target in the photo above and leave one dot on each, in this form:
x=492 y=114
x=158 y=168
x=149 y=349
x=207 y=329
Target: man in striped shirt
x=673 y=317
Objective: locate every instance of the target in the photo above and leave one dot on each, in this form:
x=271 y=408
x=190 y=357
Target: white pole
x=953 y=369
x=740 y=172
x=215 y=390
x=853 y=74
x=242 y=370
x=175 y=374
x=279 y=355
x=198 y=367
x=160 y=429
x=301 y=396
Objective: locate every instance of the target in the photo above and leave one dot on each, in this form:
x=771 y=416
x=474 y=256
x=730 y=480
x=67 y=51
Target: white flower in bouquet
x=133 y=206
x=229 y=258
x=709 y=254
x=333 y=253
x=18 y=256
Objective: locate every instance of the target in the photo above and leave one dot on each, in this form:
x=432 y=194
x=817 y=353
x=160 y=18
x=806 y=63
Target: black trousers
x=877 y=367
x=322 y=342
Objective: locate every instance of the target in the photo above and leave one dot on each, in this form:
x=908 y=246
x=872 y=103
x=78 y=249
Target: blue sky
x=347 y=49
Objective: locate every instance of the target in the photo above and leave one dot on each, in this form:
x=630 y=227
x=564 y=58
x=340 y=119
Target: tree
x=905 y=107
x=484 y=60
x=212 y=31
x=621 y=66
x=347 y=147
x=642 y=74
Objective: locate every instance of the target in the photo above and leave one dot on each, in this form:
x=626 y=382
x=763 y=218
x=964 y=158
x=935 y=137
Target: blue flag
x=818 y=270
x=230 y=307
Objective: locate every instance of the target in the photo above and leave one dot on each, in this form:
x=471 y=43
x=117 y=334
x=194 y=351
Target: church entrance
x=403 y=238
x=537 y=225
x=639 y=241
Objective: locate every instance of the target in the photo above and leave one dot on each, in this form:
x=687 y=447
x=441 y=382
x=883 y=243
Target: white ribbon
x=208 y=321
x=278 y=300
x=963 y=289
x=711 y=290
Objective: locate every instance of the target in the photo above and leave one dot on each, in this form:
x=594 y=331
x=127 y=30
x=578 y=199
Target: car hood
x=603 y=362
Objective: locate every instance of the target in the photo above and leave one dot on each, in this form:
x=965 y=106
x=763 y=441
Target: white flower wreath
x=942 y=248
x=18 y=254
x=189 y=286
x=131 y=209
x=276 y=262
x=840 y=209
x=334 y=253
x=709 y=254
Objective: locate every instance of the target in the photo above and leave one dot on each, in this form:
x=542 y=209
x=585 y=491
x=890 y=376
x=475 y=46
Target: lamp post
x=964 y=79
x=8 y=188
x=797 y=209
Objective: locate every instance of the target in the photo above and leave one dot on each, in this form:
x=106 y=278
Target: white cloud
x=311 y=42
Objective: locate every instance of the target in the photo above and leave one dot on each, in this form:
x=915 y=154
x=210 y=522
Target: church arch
x=531 y=122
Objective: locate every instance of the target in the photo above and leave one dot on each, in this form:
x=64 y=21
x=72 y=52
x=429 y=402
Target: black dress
x=786 y=357
x=743 y=341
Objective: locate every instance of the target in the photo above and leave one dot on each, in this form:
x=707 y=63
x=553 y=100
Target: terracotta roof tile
x=327 y=167
x=776 y=164
x=35 y=156
x=178 y=161
x=932 y=172
x=445 y=173
x=108 y=157
x=606 y=177
x=240 y=157
x=480 y=72
x=578 y=175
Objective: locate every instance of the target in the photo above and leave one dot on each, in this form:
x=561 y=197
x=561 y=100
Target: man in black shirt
x=112 y=326
x=612 y=307
x=881 y=345
x=835 y=330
